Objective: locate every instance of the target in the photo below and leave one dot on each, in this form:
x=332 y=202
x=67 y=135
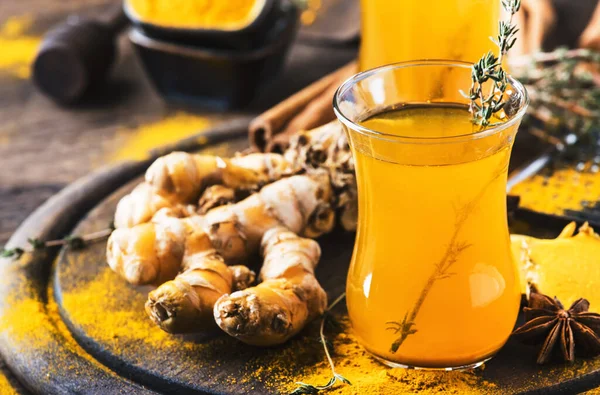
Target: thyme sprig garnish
x=73 y=242
x=441 y=270
x=489 y=68
x=309 y=389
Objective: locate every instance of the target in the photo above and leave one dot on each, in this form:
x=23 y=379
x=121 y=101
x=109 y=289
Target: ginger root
x=178 y=179
x=185 y=304
x=148 y=253
x=327 y=148
x=139 y=206
x=154 y=252
x=288 y=297
x=185 y=224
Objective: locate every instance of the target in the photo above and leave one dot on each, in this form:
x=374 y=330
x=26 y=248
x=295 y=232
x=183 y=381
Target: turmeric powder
x=205 y=14
x=38 y=331
x=6 y=387
x=137 y=142
x=18 y=48
x=565 y=189
x=369 y=377
x=124 y=330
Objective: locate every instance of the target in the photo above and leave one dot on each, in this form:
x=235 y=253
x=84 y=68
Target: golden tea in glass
x=432 y=283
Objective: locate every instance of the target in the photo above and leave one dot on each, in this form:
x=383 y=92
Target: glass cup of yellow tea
x=431 y=282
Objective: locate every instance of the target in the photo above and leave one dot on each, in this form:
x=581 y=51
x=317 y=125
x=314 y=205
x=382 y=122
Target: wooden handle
x=77 y=55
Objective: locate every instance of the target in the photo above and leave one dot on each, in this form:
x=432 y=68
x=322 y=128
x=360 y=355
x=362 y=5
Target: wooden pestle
x=77 y=55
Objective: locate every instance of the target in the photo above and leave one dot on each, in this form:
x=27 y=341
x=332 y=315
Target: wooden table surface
x=44 y=147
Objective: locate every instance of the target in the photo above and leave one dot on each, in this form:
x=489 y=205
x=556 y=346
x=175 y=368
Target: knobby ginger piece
x=185 y=304
x=177 y=180
x=149 y=253
x=138 y=206
x=289 y=296
x=566 y=267
x=180 y=177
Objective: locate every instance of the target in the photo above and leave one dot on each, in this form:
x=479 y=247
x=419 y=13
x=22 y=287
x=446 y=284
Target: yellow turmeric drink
x=396 y=31
x=432 y=283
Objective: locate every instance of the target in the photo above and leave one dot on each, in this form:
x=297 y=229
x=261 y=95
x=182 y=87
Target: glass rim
x=353 y=80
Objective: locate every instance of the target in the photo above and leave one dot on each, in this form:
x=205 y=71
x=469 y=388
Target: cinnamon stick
x=275 y=120
x=316 y=113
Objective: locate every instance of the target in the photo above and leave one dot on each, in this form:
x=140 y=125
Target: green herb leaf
x=75 y=242
x=14 y=253
x=304 y=388
x=489 y=68
x=37 y=244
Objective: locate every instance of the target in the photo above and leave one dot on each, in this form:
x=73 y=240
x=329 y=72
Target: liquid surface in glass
x=395 y=31
x=432 y=283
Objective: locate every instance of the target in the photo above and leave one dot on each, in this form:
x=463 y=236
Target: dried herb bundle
x=564 y=88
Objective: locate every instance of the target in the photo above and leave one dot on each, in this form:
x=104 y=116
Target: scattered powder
x=369 y=377
x=18 y=48
x=565 y=189
x=310 y=14
x=5 y=386
x=95 y=306
x=36 y=329
x=111 y=311
x=140 y=141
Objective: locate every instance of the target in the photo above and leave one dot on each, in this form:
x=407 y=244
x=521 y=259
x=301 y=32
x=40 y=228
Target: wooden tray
x=89 y=334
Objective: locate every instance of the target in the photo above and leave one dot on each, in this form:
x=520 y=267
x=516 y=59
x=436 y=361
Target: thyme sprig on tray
x=74 y=242
x=489 y=68
x=309 y=389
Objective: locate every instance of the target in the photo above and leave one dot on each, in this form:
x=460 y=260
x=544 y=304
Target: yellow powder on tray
x=369 y=377
x=565 y=189
x=112 y=311
x=17 y=48
x=116 y=322
x=5 y=387
x=202 y=14
x=37 y=329
x=140 y=141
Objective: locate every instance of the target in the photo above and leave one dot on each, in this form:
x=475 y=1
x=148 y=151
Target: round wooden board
x=118 y=350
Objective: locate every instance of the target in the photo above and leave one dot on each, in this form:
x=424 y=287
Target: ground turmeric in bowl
x=227 y=15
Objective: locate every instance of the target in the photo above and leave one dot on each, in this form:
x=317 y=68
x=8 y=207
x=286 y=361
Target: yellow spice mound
x=203 y=14
x=566 y=267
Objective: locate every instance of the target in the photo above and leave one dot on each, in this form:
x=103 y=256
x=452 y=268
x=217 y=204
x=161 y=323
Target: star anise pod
x=576 y=329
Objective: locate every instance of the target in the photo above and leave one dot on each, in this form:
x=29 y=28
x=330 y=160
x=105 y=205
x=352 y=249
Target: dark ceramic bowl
x=248 y=37
x=216 y=78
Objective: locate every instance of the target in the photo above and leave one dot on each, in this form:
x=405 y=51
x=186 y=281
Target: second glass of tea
x=432 y=283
